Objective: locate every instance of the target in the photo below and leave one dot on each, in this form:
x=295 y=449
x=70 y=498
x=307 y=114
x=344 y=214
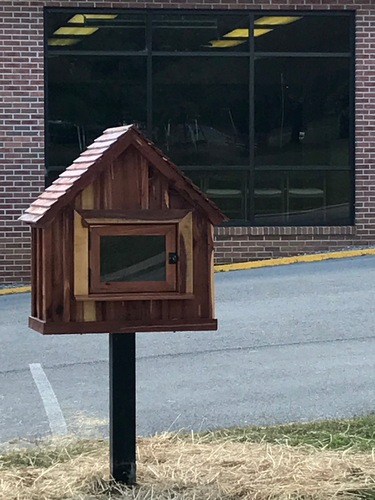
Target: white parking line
x=51 y=405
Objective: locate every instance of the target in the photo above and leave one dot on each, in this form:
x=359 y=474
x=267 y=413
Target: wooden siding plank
x=87 y=202
x=155 y=309
x=185 y=251
x=48 y=268
x=158 y=190
x=81 y=251
x=143 y=182
x=34 y=289
x=89 y=311
x=87 y=197
x=39 y=272
x=106 y=190
x=133 y=216
x=121 y=297
x=120 y=326
x=67 y=262
x=211 y=281
x=201 y=272
x=57 y=234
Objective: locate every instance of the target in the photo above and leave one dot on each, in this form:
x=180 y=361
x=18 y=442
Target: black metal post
x=122 y=407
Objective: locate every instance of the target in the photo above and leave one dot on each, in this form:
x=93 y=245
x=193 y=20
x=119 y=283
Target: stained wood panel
x=202 y=277
x=121 y=326
x=55 y=237
x=39 y=273
x=67 y=262
x=185 y=250
x=34 y=291
x=158 y=190
x=81 y=257
x=85 y=311
x=211 y=280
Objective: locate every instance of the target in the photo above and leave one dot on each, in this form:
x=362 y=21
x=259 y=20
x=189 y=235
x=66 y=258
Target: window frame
x=97 y=285
x=148 y=54
x=175 y=224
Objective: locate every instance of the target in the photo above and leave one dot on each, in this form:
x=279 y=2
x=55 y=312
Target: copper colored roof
x=106 y=148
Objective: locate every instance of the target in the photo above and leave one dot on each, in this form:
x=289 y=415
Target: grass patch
x=287 y=462
x=357 y=434
x=48 y=453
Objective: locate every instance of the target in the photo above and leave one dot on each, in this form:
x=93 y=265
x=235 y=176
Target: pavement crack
x=252 y=348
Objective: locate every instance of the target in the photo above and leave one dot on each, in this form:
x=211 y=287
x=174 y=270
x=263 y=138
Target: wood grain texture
x=34 y=290
x=120 y=326
x=158 y=190
x=152 y=216
x=67 y=262
x=211 y=282
x=39 y=272
x=185 y=251
x=88 y=202
x=48 y=269
x=87 y=197
x=142 y=296
x=56 y=233
x=81 y=257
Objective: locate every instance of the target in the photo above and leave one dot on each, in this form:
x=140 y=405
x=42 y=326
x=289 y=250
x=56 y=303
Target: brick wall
x=239 y=244
x=22 y=139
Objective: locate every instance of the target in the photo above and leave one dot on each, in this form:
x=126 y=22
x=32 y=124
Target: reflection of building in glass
x=199 y=98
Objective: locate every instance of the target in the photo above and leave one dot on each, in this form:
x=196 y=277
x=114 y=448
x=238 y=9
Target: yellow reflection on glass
x=238 y=33
x=276 y=20
x=224 y=43
x=80 y=18
x=63 y=41
x=66 y=30
x=261 y=31
x=244 y=33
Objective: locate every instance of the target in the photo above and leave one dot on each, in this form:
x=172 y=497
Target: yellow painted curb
x=18 y=289
x=238 y=266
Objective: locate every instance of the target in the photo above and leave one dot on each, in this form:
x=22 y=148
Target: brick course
x=22 y=138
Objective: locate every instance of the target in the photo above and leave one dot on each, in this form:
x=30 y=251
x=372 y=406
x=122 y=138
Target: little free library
x=122 y=241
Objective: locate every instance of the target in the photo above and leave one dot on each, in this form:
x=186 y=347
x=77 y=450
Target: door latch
x=172 y=258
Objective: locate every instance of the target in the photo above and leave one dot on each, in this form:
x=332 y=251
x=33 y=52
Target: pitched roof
x=93 y=161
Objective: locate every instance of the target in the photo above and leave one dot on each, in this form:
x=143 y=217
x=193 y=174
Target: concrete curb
x=239 y=266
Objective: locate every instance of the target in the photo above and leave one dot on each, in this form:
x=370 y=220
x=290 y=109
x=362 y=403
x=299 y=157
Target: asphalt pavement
x=295 y=343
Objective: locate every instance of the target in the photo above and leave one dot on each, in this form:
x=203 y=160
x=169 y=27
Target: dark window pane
x=297 y=33
x=96 y=31
x=318 y=197
x=269 y=198
x=339 y=190
x=197 y=32
x=227 y=188
x=302 y=111
x=132 y=258
x=87 y=95
x=305 y=197
x=201 y=109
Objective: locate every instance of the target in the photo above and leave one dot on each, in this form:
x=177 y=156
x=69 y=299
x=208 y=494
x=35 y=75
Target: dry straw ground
x=174 y=467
